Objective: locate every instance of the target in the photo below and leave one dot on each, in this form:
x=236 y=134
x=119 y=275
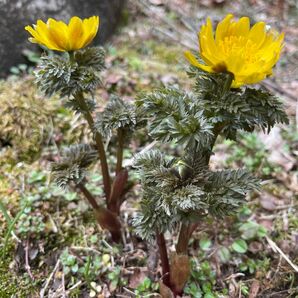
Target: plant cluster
x=182 y=190
x=179 y=190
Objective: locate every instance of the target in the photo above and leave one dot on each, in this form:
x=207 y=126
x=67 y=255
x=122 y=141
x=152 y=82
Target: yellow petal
x=42 y=31
x=33 y=40
x=222 y=28
x=75 y=33
x=257 y=33
x=58 y=33
x=234 y=63
x=242 y=27
x=209 y=51
x=40 y=35
x=45 y=36
x=31 y=31
x=192 y=59
x=90 y=29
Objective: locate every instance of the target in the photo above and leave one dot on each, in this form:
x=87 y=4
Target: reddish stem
x=106 y=218
x=88 y=195
x=164 y=258
x=99 y=143
x=120 y=135
x=183 y=239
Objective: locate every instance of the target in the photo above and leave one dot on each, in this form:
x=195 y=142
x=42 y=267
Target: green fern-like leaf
x=176 y=190
x=117 y=114
x=174 y=116
x=76 y=107
x=70 y=76
x=236 y=109
x=227 y=190
x=91 y=57
x=189 y=198
x=73 y=164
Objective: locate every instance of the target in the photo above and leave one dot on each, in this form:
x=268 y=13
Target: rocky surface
x=16 y=14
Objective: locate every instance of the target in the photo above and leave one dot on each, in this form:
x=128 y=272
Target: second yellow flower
x=249 y=53
x=58 y=36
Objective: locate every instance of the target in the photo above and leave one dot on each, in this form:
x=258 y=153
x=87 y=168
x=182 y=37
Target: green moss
x=163 y=52
x=13 y=285
x=25 y=120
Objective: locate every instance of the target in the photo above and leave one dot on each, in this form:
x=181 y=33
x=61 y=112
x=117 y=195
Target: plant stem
x=88 y=195
x=99 y=143
x=106 y=218
x=183 y=239
x=120 y=135
x=164 y=258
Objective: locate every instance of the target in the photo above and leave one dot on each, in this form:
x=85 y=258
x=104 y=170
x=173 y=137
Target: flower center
x=239 y=46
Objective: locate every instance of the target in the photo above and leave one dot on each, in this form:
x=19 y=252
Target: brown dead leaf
x=255 y=287
x=268 y=201
x=179 y=271
x=233 y=289
x=19 y=257
x=282 y=159
x=168 y=79
x=255 y=247
x=157 y=2
x=210 y=3
x=285 y=246
x=164 y=291
x=267 y=223
x=275 y=144
x=113 y=78
x=137 y=277
x=294 y=238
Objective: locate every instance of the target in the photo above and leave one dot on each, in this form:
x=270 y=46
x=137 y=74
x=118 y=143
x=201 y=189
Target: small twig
x=63 y=286
x=275 y=248
x=43 y=290
x=73 y=287
x=278 y=268
x=280 y=292
x=55 y=228
x=27 y=265
x=15 y=237
x=86 y=249
x=107 y=244
x=129 y=291
x=129 y=162
x=174 y=38
x=235 y=275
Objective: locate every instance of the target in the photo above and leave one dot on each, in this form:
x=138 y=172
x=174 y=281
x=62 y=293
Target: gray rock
x=16 y=14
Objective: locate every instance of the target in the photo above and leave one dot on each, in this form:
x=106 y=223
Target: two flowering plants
x=179 y=190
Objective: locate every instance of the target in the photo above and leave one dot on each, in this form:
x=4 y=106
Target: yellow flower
x=248 y=53
x=58 y=36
